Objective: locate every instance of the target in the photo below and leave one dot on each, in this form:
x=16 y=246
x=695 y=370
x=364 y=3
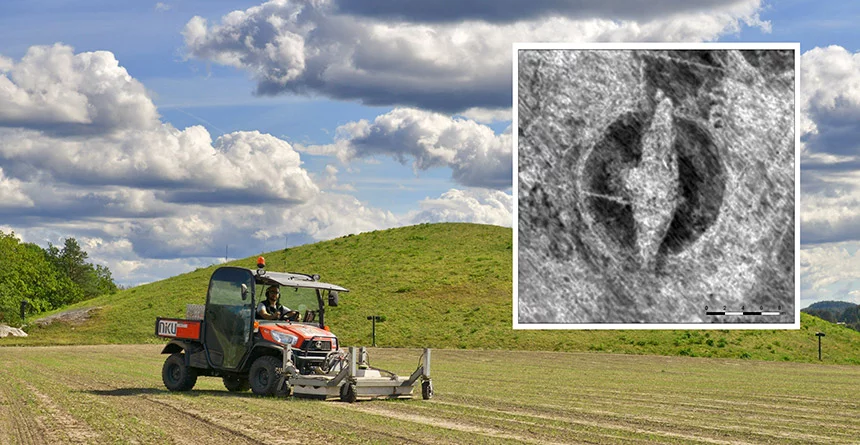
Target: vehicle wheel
x=236 y=383
x=347 y=393
x=176 y=375
x=263 y=376
x=427 y=390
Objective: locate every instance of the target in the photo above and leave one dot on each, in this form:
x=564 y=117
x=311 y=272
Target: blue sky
x=204 y=124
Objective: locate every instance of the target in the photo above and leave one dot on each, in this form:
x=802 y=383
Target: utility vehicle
x=298 y=356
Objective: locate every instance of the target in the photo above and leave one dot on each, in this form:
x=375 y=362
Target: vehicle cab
x=234 y=337
x=307 y=335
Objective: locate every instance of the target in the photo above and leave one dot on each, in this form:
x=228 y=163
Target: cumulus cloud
x=487 y=115
x=343 y=51
x=477 y=156
x=185 y=163
x=51 y=88
x=475 y=205
x=11 y=194
x=829 y=272
x=831 y=100
x=330 y=182
x=81 y=120
x=830 y=129
x=834 y=218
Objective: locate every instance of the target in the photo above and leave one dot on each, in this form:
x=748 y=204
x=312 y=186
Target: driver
x=271 y=309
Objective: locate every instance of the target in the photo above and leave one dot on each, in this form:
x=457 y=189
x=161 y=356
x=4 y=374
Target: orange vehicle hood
x=304 y=331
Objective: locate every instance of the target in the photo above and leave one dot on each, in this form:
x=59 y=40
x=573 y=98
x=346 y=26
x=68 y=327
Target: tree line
x=836 y=312
x=46 y=278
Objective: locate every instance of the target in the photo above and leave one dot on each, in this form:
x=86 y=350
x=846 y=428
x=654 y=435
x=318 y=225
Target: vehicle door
x=229 y=316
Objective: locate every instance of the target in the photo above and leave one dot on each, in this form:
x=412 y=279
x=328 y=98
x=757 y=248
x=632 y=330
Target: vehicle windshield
x=300 y=299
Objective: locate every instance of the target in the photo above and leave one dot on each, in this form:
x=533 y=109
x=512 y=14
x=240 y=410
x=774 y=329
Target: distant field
x=114 y=394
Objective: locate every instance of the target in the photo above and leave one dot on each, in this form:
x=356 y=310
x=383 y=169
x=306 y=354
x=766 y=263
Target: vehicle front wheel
x=235 y=383
x=263 y=375
x=176 y=375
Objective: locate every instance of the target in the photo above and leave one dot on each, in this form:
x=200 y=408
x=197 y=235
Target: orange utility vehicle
x=298 y=356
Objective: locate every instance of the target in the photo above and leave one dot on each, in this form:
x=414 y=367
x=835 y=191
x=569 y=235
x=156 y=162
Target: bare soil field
x=114 y=394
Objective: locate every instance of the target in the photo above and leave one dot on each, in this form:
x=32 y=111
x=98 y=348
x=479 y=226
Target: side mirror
x=332 y=298
x=244 y=292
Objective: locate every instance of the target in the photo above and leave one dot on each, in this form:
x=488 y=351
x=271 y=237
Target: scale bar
x=742 y=313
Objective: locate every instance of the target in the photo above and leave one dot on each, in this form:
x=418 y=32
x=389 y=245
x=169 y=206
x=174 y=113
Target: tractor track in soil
x=505 y=426
x=59 y=425
x=798 y=427
x=16 y=419
x=448 y=424
x=233 y=423
x=639 y=425
x=185 y=422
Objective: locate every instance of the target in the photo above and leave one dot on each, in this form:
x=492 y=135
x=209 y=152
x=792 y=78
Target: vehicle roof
x=294 y=280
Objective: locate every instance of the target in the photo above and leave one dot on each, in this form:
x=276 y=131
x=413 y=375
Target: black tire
x=176 y=375
x=427 y=390
x=263 y=376
x=236 y=383
x=347 y=393
x=284 y=388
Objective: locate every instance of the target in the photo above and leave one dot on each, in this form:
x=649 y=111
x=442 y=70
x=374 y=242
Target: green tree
x=72 y=259
x=106 y=284
x=27 y=274
x=46 y=278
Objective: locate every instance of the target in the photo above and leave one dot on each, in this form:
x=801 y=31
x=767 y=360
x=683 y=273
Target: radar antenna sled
x=298 y=356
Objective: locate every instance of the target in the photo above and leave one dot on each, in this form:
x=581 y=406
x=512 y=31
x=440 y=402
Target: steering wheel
x=291 y=316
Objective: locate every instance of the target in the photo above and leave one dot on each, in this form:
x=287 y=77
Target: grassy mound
x=437 y=285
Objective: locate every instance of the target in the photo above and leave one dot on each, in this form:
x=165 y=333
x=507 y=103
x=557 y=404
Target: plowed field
x=114 y=394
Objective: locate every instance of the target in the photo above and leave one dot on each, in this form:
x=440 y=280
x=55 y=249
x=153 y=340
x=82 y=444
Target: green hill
x=437 y=285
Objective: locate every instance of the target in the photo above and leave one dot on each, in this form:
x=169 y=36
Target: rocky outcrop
x=75 y=316
x=6 y=331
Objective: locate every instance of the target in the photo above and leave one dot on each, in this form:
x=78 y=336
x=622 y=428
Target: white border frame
x=795 y=46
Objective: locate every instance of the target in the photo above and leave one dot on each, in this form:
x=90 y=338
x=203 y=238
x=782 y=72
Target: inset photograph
x=656 y=186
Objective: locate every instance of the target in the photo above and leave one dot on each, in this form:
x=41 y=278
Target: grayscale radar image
x=656 y=186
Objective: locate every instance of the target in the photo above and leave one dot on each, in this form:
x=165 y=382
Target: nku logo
x=167 y=327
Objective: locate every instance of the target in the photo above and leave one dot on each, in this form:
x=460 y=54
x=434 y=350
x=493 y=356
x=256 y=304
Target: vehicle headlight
x=284 y=339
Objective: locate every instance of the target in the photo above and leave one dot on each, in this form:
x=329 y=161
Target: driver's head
x=272 y=293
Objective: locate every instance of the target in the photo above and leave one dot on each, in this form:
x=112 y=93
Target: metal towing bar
x=357 y=380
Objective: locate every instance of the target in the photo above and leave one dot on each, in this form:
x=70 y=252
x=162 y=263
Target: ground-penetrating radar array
x=655 y=185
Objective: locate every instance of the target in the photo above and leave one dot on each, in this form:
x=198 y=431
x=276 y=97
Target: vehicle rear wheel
x=236 y=383
x=176 y=375
x=263 y=375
